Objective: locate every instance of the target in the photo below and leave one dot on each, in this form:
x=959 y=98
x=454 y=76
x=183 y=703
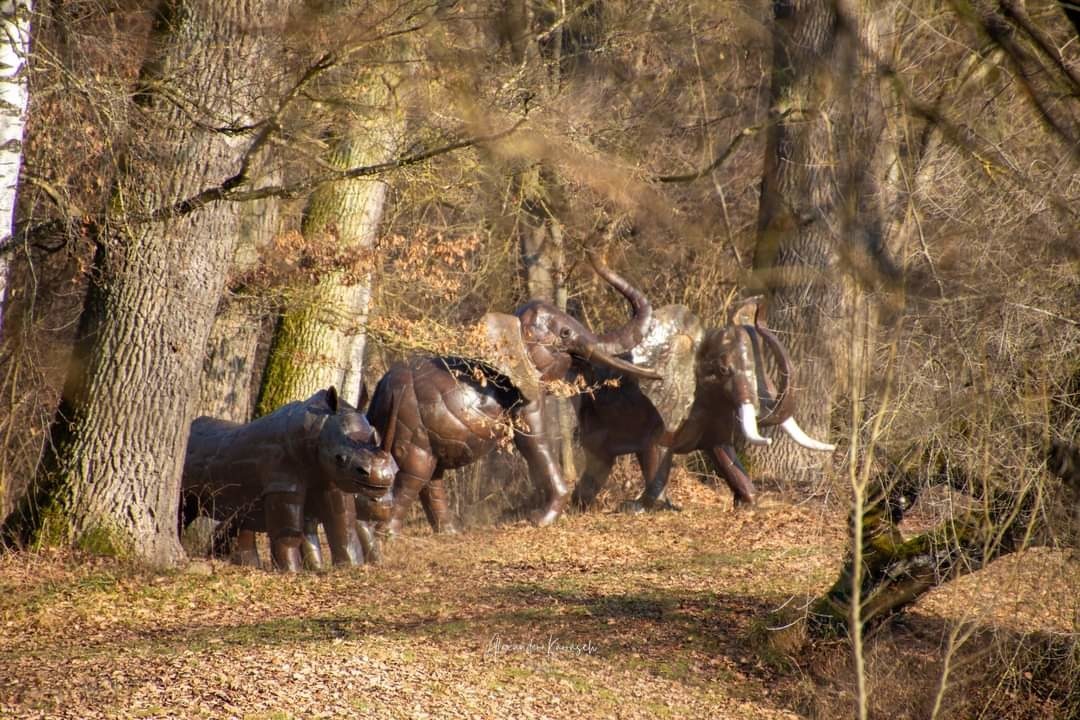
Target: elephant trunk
x=595 y=353
x=629 y=335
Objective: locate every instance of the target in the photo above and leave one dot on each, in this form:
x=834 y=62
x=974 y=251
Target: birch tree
x=14 y=96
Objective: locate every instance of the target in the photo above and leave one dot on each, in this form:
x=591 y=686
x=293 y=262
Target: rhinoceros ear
x=506 y=352
x=332 y=398
x=670 y=348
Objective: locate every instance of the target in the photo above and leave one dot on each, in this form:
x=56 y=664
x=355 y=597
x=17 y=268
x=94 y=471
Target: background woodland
x=222 y=209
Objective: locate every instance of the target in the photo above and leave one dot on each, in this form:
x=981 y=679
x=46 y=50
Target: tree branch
x=227 y=190
x=720 y=159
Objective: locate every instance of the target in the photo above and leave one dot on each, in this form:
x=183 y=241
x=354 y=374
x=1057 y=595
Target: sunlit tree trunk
x=226 y=385
x=111 y=481
x=320 y=338
x=820 y=218
x=14 y=95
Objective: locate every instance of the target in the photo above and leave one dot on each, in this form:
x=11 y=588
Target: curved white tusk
x=792 y=429
x=748 y=420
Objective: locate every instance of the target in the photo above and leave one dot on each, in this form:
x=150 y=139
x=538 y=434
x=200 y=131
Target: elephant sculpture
x=274 y=474
x=455 y=410
x=715 y=384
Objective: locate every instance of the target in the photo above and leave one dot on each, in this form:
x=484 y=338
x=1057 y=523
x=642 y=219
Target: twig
x=1062 y=318
x=226 y=191
x=720 y=159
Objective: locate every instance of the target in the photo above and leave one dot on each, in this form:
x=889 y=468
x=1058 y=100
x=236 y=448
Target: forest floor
x=603 y=615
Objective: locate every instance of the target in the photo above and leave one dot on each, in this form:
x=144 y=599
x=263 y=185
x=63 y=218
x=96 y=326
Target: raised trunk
x=111 y=480
x=319 y=341
x=819 y=207
x=14 y=95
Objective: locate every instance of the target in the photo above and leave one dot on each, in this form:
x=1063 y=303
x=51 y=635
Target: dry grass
x=649 y=616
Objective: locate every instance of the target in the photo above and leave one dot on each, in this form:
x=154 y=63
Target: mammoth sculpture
x=454 y=410
x=272 y=475
x=714 y=385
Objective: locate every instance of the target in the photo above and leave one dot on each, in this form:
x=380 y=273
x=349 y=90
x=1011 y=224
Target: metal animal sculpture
x=303 y=459
x=453 y=410
x=714 y=385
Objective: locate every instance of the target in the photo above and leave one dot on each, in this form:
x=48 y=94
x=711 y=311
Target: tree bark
x=320 y=340
x=111 y=481
x=1009 y=515
x=226 y=385
x=14 y=97
x=820 y=216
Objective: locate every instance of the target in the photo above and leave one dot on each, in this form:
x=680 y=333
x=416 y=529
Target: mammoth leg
x=593 y=480
x=655 y=464
x=436 y=506
x=338 y=515
x=726 y=464
x=240 y=539
x=247 y=553
x=285 y=527
x=530 y=438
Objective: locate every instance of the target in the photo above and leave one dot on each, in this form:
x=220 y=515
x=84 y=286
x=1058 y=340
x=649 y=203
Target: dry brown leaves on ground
x=603 y=615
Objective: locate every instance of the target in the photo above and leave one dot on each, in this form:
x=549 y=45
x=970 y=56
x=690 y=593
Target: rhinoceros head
x=350 y=452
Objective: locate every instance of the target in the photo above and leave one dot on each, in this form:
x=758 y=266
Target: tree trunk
x=320 y=340
x=1009 y=515
x=226 y=385
x=14 y=95
x=111 y=482
x=820 y=219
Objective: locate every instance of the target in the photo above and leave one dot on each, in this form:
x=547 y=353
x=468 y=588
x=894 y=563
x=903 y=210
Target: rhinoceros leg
x=593 y=480
x=436 y=506
x=247 y=553
x=655 y=462
x=369 y=540
x=726 y=464
x=285 y=526
x=339 y=521
x=311 y=547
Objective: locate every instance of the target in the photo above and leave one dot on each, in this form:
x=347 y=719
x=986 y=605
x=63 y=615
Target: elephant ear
x=507 y=353
x=670 y=348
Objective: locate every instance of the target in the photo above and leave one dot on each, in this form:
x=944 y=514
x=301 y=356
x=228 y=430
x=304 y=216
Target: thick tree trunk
x=14 y=96
x=111 y=483
x=320 y=341
x=226 y=385
x=820 y=219
x=1009 y=515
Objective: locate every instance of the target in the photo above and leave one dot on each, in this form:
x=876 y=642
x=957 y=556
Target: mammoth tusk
x=796 y=433
x=748 y=420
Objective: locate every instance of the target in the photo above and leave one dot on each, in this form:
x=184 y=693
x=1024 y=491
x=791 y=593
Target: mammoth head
x=760 y=401
x=351 y=454
x=540 y=344
x=729 y=362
